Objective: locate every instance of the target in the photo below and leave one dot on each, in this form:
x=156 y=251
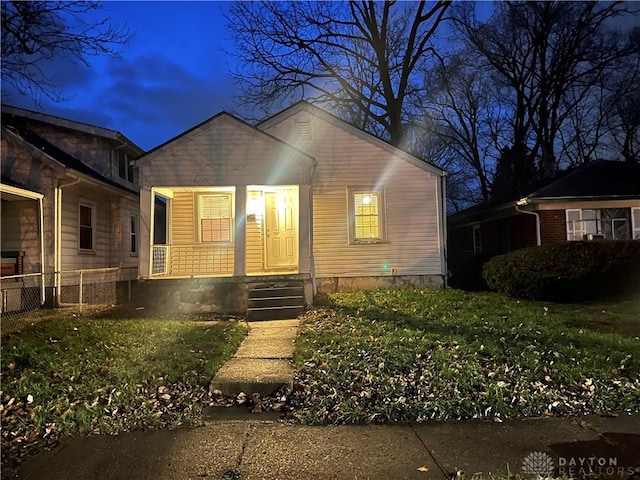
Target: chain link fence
x=25 y=299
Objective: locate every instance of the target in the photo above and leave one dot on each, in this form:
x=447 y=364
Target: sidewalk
x=262 y=363
x=256 y=449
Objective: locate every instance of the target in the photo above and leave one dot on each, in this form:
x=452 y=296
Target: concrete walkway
x=262 y=364
x=256 y=449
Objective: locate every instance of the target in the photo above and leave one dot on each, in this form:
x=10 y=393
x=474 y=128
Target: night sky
x=172 y=75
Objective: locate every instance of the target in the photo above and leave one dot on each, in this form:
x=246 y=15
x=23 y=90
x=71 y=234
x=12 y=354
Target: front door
x=281 y=242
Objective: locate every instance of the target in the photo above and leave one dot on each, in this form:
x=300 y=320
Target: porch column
x=305 y=226
x=240 y=237
x=144 y=259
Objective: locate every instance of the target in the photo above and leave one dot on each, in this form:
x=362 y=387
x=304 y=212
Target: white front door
x=281 y=233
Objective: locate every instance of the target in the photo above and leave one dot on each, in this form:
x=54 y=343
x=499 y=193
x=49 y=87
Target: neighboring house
x=69 y=198
x=303 y=202
x=597 y=200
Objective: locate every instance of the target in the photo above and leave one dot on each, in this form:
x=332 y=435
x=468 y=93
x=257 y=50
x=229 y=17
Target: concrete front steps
x=262 y=363
x=270 y=302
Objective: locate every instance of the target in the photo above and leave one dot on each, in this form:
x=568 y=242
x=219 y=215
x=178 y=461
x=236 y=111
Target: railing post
x=80 y=290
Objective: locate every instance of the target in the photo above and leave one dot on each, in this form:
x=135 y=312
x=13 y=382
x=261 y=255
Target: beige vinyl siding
x=101 y=257
x=254 y=239
x=111 y=237
x=223 y=152
x=410 y=193
x=182 y=219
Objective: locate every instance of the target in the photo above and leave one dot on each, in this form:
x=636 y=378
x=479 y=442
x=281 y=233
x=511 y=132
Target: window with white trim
x=133 y=235
x=607 y=223
x=125 y=167
x=366 y=216
x=477 y=239
x=215 y=212
x=635 y=223
x=86 y=227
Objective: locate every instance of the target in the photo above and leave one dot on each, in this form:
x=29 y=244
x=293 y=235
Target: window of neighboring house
x=506 y=239
x=477 y=239
x=216 y=219
x=86 y=227
x=635 y=223
x=125 y=168
x=609 y=223
x=366 y=214
x=133 y=234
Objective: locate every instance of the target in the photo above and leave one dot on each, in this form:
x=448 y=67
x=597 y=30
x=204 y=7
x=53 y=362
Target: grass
x=413 y=355
x=84 y=375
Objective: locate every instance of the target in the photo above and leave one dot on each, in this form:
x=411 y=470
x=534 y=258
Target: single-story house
x=69 y=201
x=597 y=200
x=263 y=217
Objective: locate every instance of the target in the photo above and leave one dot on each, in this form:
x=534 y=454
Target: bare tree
x=550 y=56
x=362 y=58
x=462 y=107
x=622 y=108
x=37 y=31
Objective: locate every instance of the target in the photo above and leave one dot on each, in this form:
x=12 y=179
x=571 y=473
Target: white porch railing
x=185 y=260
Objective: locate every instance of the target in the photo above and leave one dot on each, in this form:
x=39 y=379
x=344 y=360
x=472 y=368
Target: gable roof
x=71 y=125
x=53 y=155
x=222 y=116
x=338 y=122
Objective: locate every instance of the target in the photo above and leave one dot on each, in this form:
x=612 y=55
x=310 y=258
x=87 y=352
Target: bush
x=567 y=272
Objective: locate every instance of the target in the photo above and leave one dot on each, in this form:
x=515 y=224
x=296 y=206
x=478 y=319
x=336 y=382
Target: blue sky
x=173 y=74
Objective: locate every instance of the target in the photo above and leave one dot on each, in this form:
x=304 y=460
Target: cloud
x=153 y=98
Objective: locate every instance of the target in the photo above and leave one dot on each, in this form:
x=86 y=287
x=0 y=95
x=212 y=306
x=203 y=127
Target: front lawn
x=414 y=355
x=83 y=375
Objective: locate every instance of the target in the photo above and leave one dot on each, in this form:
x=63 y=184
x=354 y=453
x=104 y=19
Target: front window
x=216 y=219
x=605 y=223
x=366 y=213
x=86 y=227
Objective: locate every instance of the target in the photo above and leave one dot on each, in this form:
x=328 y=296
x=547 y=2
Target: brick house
x=597 y=200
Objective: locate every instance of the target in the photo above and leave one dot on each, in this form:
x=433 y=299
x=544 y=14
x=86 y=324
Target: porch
x=218 y=245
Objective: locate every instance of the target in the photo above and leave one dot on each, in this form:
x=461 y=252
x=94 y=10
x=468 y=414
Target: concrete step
x=274 y=313
x=268 y=292
x=289 y=301
x=253 y=375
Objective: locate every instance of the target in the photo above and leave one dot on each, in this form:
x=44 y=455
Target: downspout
x=57 y=237
x=312 y=266
x=521 y=203
x=42 y=252
x=443 y=226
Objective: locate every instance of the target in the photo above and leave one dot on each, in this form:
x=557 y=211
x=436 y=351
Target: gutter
x=523 y=202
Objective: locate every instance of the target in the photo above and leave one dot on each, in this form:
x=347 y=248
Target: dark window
x=134 y=234
x=85 y=232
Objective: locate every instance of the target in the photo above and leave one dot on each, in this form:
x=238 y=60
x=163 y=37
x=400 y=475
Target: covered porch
x=229 y=231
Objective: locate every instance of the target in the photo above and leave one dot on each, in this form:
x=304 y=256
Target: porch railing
x=187 y=260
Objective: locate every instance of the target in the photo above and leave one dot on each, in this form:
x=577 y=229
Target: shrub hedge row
x=567 y=272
